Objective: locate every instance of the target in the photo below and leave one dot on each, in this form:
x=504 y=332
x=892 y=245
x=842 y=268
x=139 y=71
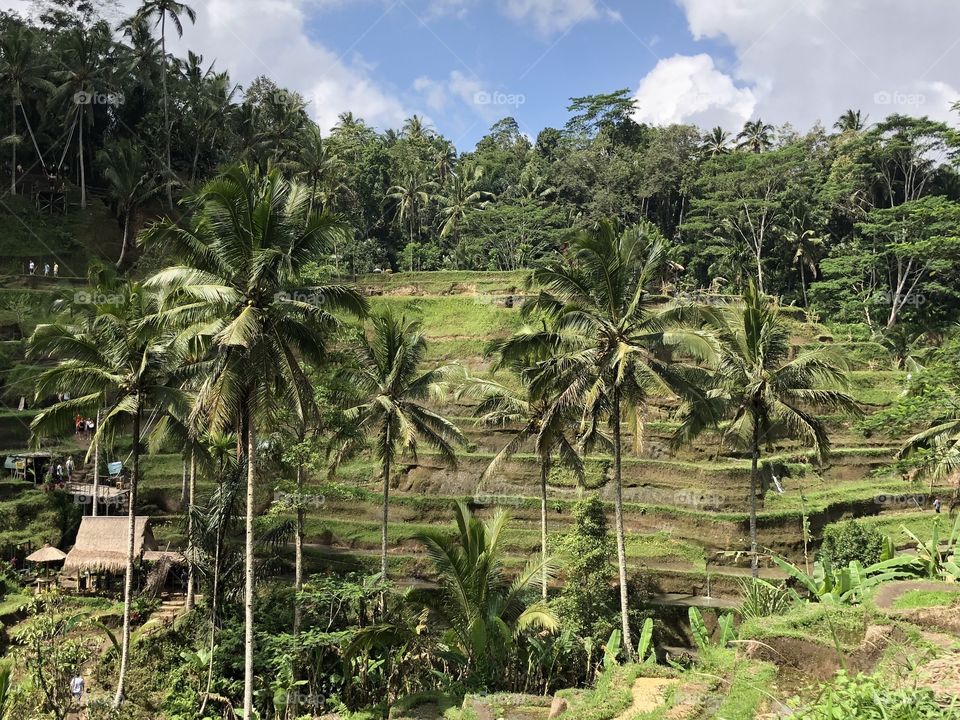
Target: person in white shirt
x=76 y=687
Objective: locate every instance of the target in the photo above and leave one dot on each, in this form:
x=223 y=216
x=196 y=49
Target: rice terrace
x=371 y=360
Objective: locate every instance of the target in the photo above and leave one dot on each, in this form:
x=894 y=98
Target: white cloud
x=270 y=37
x=689 y=88
x=554 y=16
x=812 y=60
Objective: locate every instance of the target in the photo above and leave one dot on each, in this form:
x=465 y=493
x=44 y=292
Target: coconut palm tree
x=130 y=182
x=21 y=70
x=762 y=391
x=316 y=165
x=411 y=199
x=82 y=81
x=716 y=142
x=159 y=11
x=239 y=285
x=483 y=608
x=807 y=248
x=126 y=355
x=611 y=345
x=529 y=410
x=756 y=136
x=851 y=121
x=386 y=375
x=462 y=196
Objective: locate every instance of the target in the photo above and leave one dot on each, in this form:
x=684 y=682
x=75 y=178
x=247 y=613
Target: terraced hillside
x=686 y=510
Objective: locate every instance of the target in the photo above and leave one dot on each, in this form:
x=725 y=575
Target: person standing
x=56 y=269
x=77 y=687
x=33 y=267
x=69 y=467
x=46 y=269
x=937 y=505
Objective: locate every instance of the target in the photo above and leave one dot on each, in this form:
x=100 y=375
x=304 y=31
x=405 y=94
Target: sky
x=464 y=64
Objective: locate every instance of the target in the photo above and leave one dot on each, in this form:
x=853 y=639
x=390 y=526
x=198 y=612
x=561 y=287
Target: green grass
x=12 y=603
x=749 y=684
x=454 y=317
x=826 y=625
x=913 y=599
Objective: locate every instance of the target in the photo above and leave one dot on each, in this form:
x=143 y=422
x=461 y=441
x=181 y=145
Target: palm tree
x=716 y=142
x=123 y=354
x=81 y=81
x=239 y=285
x=763 y=391
x=502 y=406
x=807 y=247
x=463 y=196
x=482 y=607
x=385 y=374
x=21 y=70
x=756 y=136
x=130 y=182
x=411 y=199
x=851 y=121
x=611 y=346
x=159 y=11
x=316 y=165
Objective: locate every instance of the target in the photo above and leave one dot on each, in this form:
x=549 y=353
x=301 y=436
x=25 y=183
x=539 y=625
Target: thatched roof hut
x=47 y=554
x=101 y=545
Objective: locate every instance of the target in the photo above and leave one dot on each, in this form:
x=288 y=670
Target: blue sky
x=522 y=69
x=463 y=64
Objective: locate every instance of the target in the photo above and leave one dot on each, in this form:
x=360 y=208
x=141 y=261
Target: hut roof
x=102 y=544
x=46 y=554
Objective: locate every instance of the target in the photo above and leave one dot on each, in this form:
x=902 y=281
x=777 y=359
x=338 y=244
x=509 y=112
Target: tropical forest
x=614 y=420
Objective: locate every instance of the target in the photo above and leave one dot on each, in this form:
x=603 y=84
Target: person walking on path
x=69 y=468
x=937 y=505
x=56 y=269
x=46 y=269
x=32 y=267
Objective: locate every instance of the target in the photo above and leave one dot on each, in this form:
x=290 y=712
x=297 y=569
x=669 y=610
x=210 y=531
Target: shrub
x=869 y=697
x=852 y=540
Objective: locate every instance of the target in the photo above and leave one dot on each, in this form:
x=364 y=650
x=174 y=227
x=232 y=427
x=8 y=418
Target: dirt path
x=889 y=593
x=647 y=696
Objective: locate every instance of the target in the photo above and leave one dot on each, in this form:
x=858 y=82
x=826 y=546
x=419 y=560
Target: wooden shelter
x=47 y=554
x=101 y=550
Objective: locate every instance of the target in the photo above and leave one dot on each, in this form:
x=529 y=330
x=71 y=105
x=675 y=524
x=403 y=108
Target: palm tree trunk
x=298 y=579
x=248 y=574
x=166 y=109
x=754 y=462
x=128 y=580
x=214 y=593
x=191 y=495
x=13 y=148
x=83 y=174
x=621 y=540
x=126 y=239
x=96 y=468
x=386 y=510
x=803 y=284
x=544 y=475
x=183 y=483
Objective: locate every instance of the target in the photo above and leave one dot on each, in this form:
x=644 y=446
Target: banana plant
x=645 y=651
x=701 y=636
x=847 y=586
x=939 y=563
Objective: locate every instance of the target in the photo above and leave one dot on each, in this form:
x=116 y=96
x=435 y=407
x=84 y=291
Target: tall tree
x=386 y=375
x=130 y=183
x=240 y=285
x=755 y=136
x=126 y=355
x=21 y=70
x=763 y=391
x=160 y=11
x=612 y=347
x=502 y=406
